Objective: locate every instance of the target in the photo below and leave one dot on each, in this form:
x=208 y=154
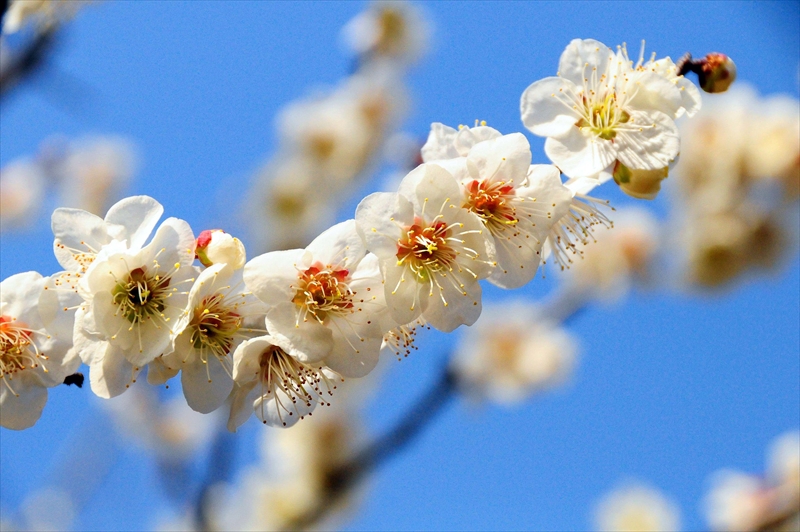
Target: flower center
x=302 y=384
x=142 y=295
x=425 y=248
x=17 y=350
x=214 y=325
x=323 y=290
x=492 y=202
x=603 y=117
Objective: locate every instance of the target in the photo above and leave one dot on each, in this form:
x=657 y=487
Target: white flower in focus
x=278 y=387
x=617 y=257
x=35 y=348
x=432 y=251
x=326 y=301
x=215 y=246
x=43 y=13
x=22 y=187
x=445 y=142
x=94 y=171
x=598 y=111
x=132 y=300
x=511 y=352
x=80 y=235
x=637 y=509
x=219 y=315
x=388 y=30
x=736 y=501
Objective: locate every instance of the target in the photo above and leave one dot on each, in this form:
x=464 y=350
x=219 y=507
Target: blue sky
x=670 y=387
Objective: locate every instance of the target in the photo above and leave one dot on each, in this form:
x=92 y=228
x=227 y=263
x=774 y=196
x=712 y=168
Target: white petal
x=467 y=137
x=242 y=404
x=78 y=230
x=307 y=341
x=428 y=187
x=440 y=143
x=158 y=372
x=652 y=148
x=505 y=159
x=582 y=56
x=274 y=415
x=578 y=154
x=690 y=96
x=546 y=109
x=270 y=276
x=133 y=219
x=18 y=412
x=402 y=292
x=205 y=385
x=460 y=309
x=653 y=92
x=379 y=217
x=111 y=374
x=345 y=361
x=339 y=245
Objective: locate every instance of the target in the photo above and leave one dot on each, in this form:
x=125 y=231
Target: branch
x=343 y=478
x=27 y=61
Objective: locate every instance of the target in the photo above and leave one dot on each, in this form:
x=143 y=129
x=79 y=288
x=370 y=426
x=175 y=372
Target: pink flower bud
x=215 y=246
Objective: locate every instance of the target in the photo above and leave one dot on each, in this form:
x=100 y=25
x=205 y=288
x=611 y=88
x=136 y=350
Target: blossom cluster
x=277 y=334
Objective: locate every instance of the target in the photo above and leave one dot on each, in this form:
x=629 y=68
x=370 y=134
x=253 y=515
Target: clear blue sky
x=669 y=388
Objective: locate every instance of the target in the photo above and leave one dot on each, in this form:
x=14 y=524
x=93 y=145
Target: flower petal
x=205 y=385
x=580 y=59
x=133 y=219
x=578 y=154
x=547 y=107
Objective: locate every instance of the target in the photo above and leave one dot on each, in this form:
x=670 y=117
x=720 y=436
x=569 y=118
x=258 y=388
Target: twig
x=341 y=479
x=26 y=61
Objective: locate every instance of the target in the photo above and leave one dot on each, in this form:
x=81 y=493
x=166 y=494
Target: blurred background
x=676 y=377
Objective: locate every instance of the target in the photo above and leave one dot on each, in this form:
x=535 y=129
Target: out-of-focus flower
x=35 y=348
x=717 y=72
x=388 y=30
x=48 y=509
x=169 y=429
x=511 y=352
x=219 y=315
x=598 y=110
x=299 y=475
x=737 y=501
x=617 y=257
x=22 y=186
x=94 y=171
x=43 y=13
x=432 y=251
x=637 y=508
x=215 y=246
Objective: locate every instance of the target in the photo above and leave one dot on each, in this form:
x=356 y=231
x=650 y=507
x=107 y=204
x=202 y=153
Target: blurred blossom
x=48 y=509
x=511 y=352
x=637 y=508
x=296 y=477
x=738 y=501
x=169 y=429
x=22 y=187
x=618 y=257
x=43 y=14
x=396 y=31
x=94 y=171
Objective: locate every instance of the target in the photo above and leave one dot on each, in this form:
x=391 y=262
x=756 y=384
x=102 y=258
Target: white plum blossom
x=445 y=142
x=35 y=348
x=325 y=301
x=637 y=508
x=511 y=352
x=132 y=300
x=219 y=315
x=280 y=388
x=432 y=251
x=598 y=110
